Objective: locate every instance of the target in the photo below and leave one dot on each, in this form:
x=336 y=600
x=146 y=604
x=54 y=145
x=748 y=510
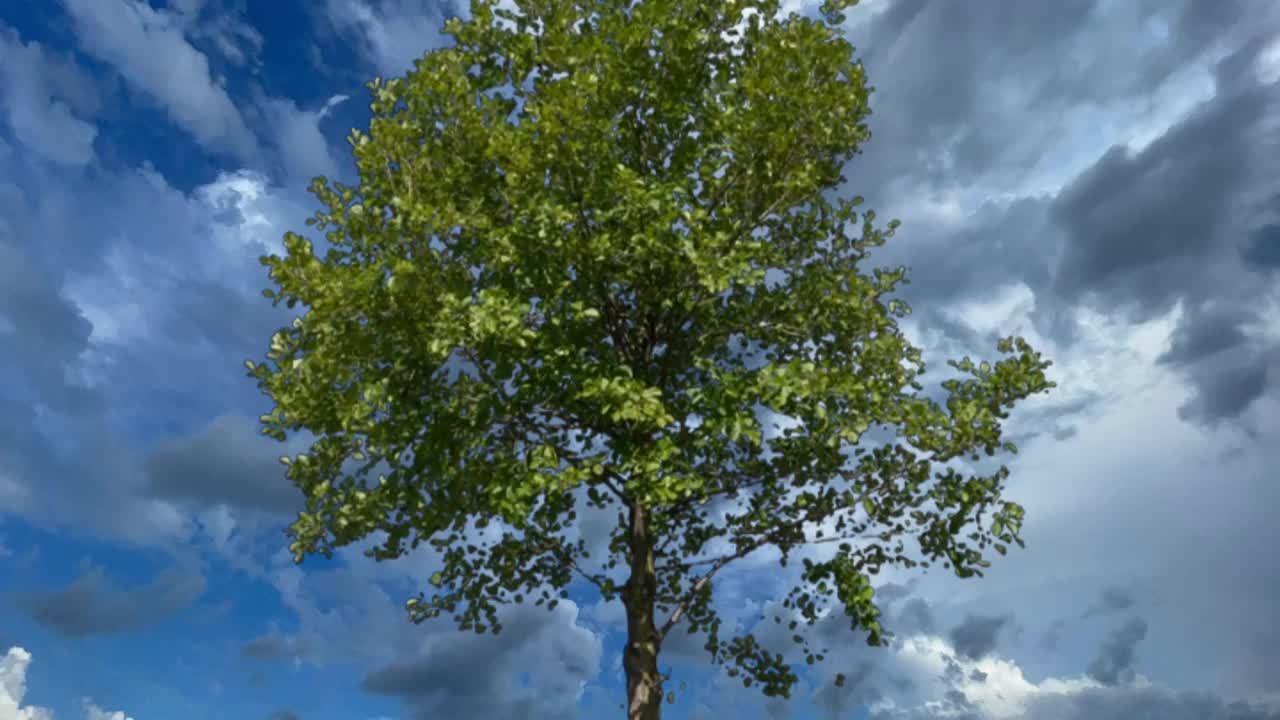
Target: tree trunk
x=640 y=657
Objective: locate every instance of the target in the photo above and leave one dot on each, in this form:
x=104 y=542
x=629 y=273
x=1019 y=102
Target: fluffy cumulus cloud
x=13 y=688
x=1095 y=175
x=923 y=675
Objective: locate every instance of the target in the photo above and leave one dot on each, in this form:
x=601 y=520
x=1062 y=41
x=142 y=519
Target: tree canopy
x=592 y=259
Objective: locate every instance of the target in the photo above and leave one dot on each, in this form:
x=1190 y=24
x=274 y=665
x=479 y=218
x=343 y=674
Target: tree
x=590 y=254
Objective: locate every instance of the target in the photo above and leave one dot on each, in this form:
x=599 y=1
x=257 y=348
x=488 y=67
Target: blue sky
x=1097 y=175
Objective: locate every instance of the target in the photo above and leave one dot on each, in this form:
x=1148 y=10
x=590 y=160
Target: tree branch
x=683 y=606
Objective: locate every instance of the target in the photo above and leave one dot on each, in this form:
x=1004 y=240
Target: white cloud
x=1269 y=62
x=130 y=35
x=93 y=712
x=238 y=216
x=393 y=34
x=998 y=689
x=302 y=146
x=235 y=39
x=37 y=108
x=13 y=689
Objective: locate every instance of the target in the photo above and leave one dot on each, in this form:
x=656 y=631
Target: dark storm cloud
x=1114 y=663
x=532 y=669
x=1226 y=390
x=976 y=636
x=1151 y=229
x=1209 y=330
x=978 y=88
x=932 y=64
x=92 y=605
x=974 y=95
x=1142 y=225
x=227 y=462
x=1263 y=249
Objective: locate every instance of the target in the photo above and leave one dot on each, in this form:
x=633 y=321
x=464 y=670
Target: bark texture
x=640 y=657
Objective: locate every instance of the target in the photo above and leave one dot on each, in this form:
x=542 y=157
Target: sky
x=1099 y=176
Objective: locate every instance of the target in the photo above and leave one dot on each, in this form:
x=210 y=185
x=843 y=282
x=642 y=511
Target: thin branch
x=683 y=606
x=553 y=547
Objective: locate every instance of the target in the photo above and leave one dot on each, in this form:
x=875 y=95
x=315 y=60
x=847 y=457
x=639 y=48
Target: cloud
x=1114 y=663
x=106 y=318
x=222 y=27
x=48 y=101
x=13 y=686
x=35 y=308
x=1124 y=703
x=976 y=636
x=1113 y=600
x=924 y=677
x=129 y=35
x=1262 y=251
x=391 y=34
x=1142 y=224
x=228 y=462
x=1134 y=192
x=272 y=646
x=93 y=712
x=304 y=150
x=1154 y=229
x=535 y=668
x=91 y=605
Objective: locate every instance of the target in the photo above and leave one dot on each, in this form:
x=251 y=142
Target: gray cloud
x=1125 y=703
x=1149 y=229
x=1052 y=634
x=533 y=669
x=977 y=635
x=228 y=462
x=974 y=107
x=1263 y=249
x=1210 y=330
x=913 y=617
x=1113 y=600
x=1114 y=663
x=1141 y=226
x=92 y=605
x=1111 y=703
x=858 y=689
x=272 y=646
x=54 y=331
